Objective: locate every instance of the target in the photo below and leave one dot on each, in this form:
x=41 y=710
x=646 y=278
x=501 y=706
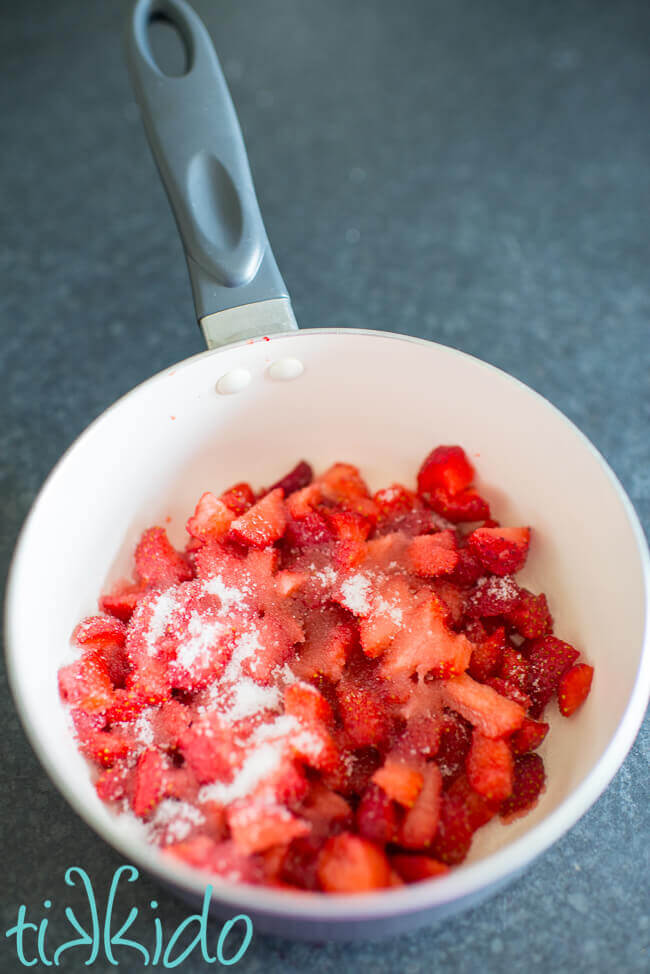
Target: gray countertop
x=471 y=172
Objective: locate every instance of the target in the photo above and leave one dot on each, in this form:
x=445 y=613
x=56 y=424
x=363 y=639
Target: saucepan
x=265 y=395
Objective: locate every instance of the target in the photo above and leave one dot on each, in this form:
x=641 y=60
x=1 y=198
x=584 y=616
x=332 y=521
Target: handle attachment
x=197 y=144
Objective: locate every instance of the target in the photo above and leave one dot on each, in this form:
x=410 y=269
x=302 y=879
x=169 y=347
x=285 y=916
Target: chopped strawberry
x=95 y=632
x=574 y=688
x=501 y=550
x=421 y=821
x=220 y=858
x=305 y=702
x=492 y=714
x=115 y=783
x=458 y=508
x=211 y=518
x=300 y=862
x=493 y=596
x=430 y=556
x=350 y=864
x=170 y=721
x=453 y=600
x=530 y=615
x=529 y=736
x=148 y=783
x=414 y=868
x=400 y=782
x=364 y=718
x=209 y=749
x=263 y=523
x=343 y=482
x=329 y=638
x=425 y=644
x=548 y=659
x=104 y=747
x=122 y=600
x=256 y=827
x=393 y=501
x=487 y=655
x=376 y=815
x=490 y=768
x=468 y=568
x=462 y=812
x=239 y=498
x=529 y=780
x=514 y=667
x=455 y=739
x=298 y=478
x=157 y=562
x=86 y=683
x=347 y=525
x=446 y=467
x=325 y=810
x=303 y=502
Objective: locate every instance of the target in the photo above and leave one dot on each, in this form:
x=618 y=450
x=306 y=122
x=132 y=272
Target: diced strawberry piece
x=530 y=615
x=305 y=702
x=348 y=525
x=453 y=599
x=548 y=660
x=86 y=683
x=428 y=556
x=310 y=530
x=487 y=656
x=421 y=821
x=393 y=501
x=509 y=690
x=482 y=706
x=490 y=768
x=514 y=667
x=122 y=600
x=257 y=827
x=114 y=783
x=355 y=768
x=420 y=738
x=529 y=736
x=300 y=863
x=157 y=562
x=302 y=502
x=376 y=816
x=446 y=467
x=501 y=550
x=325 y=810
x=170 y=722
x=414 y=868
x=378 y=628
x=125 y=706
x=315 y=747
x=351 y=864
x=400 y=782
x=364 y=718
x=468 y=568
x=263 y=523
x=298 y=478
x=574 y=688
x=238 y=498
x=209 y=749
x=462 y=812
x=529 y=780
x=343 y=482
x=460 y=508
x=148 y=782
x=104 y=747
x=288 y=583
x=328 y=642
x=425 y=644
x=211 y=518
x=455 y=739
x=493 y=596
x=95 y=632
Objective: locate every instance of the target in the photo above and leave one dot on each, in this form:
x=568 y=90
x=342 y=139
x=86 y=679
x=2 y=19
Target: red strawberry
x=492 y=714
x=256 y=827
x=426 y=644
x=310 y=530
x=529 y=736
x=468 y=568
x=220 y=858
x=548 y=659
x=490 y=768
x=86 y=683
x=115 y=783
x=446 y=467
x=239 y=498
x=104 y=748
x=501 y=550
x=364 y=718
x=95 y=632
x=421 y=821
x=454 y=745
x=574 y=688
x=458 y=508
x=401 y=782
x=414 y=868
x=262 y=524
x=122 y=600
x=529 y=779
x=305 y=702
x=493 y=596
x=509 y=690
x=301 y=476
x=300 y=863
x=211 y=518
x=487 y=655
x=209 y=749
x=148 y=785
x=514 y=667
x=350 y=864
x=157 y=562
x=376 y=815
x=393 y=501
x=530 y=615
x=462 y=812
x=429 y=555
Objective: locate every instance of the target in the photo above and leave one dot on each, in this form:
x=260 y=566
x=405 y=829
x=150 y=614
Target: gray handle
x=197 y=144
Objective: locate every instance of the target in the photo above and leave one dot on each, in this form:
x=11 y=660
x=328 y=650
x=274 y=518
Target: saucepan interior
x=382 y=402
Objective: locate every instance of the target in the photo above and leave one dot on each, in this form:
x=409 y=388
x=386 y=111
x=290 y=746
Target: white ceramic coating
x=382 y=402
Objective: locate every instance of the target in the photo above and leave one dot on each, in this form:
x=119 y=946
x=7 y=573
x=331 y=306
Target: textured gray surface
x=477 y=173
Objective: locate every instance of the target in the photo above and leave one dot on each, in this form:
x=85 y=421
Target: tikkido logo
x=107 y=934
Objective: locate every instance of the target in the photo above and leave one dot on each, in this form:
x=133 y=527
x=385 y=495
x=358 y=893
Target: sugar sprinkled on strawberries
x=354 y=594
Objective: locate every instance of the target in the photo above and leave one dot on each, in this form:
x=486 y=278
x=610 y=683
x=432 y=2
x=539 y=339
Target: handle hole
x=168 y=46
